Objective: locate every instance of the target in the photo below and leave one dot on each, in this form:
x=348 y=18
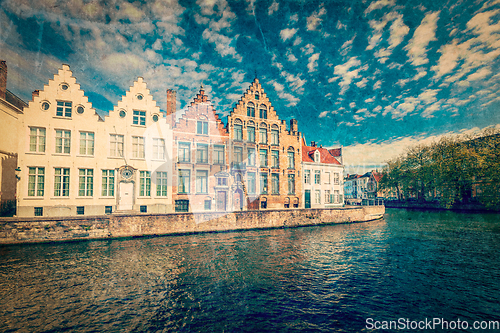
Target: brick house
x=201 y=180
x=264 y=155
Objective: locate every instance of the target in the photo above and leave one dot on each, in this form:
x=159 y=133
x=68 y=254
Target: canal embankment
x=20 y=230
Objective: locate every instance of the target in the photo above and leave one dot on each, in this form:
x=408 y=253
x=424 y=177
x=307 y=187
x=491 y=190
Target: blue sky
x=373 y=76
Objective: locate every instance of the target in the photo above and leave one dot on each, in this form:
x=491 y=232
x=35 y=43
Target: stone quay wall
x=18 y=230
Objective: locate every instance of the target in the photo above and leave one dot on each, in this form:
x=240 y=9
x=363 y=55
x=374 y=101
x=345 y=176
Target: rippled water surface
x=412 y=264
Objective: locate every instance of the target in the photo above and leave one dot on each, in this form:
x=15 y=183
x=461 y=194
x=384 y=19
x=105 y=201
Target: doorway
x=307 y=199
x=126 y=196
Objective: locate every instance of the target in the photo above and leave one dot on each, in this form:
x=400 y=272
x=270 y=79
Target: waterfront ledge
x=19 y=230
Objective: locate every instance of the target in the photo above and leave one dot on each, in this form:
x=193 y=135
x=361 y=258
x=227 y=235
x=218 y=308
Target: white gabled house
x=322 y=176
x=74 y=162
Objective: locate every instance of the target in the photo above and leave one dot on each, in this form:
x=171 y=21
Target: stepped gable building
x=264 y=153
x=74 y=162
x=11 y=113
x=323 y=176
x=202 y=182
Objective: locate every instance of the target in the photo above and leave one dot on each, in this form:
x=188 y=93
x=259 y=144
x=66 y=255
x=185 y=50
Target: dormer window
x=317 y=157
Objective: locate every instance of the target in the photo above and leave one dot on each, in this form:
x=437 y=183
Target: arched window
x=263 y=111
x=275 y=135
x=257 y=95
x=238 y=130
x=251 y=131
x=291 y=158
x=263 y=133
x=250 y=110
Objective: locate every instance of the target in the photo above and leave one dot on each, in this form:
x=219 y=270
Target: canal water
x=409 y=267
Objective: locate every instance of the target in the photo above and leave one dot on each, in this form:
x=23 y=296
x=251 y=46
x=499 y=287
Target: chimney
x=313 y=144
x=293 y=125
x=35 y=94
x=3 y=78
x=171 y=102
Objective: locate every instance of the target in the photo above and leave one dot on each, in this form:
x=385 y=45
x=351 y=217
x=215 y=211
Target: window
x=317 y=177
x=108 y=183
x=327 y=178
x=86 y=182
x=291 y=159
x=80 y=210
x=37 y=139
x=38 y=211
x=251 y=182
x=63 y=109
x=263 y=135
x=208 y=205
x=250 y=110
x=263 y=158
x=238 y=132
x=201 y=181
x=184 y=153
x=202 y=127
x=263 y=112
x=275 y=159
x=158 y=149
x=36 y=181
x=144 y=183
x=257 y=95
x=63 y=141
x=336 y=178
x=275 y=183
x=161 y=184
x=337 y=197
x=275 y=137
x=183 y=186
x=116 y=145
x=327 y=196
x=61 y=182
x=87 y=143
x=139 y=118
x=221 y=181
x=143 y=209
x=317 y=196
x=291 y=183
x=202 y=153
x=251 y=156
x=218 y=154
x=138 y=147
x=251 y=133
x=238 y=155
x=182 y=205
x=108 y=209
x=263 y=183
x=307 y=176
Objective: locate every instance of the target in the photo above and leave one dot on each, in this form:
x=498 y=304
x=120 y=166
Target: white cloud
x=323 y=114
x=423 y=35
x=315 y=19
x=308 y=49
x=287 y=33
x=480 y=74
x=378 y=5
x=297 y=41
x=273 y=8
x=222 y=44
x=313 y=63
x=370 y=100
x=362 y=83
x=398 y=32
